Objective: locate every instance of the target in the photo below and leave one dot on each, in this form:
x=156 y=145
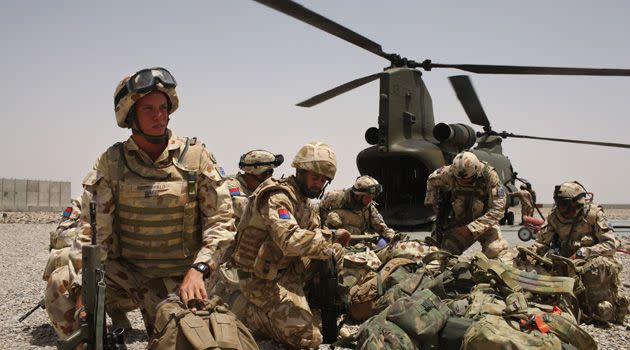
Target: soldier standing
x=477 y=200
x=257 y=166
x=527 y=202
x=164 y=214
x=278 y=236
x=579 y=229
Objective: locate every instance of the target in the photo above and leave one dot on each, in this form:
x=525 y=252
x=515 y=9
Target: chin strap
x=156 y=140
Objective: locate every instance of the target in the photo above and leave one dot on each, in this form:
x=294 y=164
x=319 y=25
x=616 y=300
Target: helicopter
x=407 y=145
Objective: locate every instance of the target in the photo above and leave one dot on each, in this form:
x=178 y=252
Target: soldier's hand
x=461 y=231
x=192 y=286
x=342 y=236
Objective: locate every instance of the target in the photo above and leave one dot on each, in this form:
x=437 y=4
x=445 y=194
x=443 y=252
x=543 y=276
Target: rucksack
x=214 y=327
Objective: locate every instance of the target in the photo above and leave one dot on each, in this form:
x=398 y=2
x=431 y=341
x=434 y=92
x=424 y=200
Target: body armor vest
x=470 y=202
x=157 y=217
x=356 y=220
x=570 y=236
x=255 y=250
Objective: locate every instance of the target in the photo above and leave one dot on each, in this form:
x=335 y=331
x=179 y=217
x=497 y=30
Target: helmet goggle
x=373 y=190
x=146 y=80
x=278 y=160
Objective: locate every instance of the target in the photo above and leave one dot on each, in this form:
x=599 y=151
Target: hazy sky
x=241 y=67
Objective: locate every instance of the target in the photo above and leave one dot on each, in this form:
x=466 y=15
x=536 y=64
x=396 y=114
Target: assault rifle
x=41 y=304
x=92 y=326
x=329 y=302
x=442 y=220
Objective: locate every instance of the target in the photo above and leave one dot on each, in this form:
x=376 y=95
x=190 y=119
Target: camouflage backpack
x=210 y=326
x=410 y=323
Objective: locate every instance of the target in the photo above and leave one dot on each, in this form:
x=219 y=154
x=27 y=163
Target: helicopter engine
x=457 y=137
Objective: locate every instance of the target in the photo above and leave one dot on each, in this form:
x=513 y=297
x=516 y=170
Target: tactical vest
x=568 y=235
x=356 y=220
x=470 y=202
x=255 y=250
x=157 y=216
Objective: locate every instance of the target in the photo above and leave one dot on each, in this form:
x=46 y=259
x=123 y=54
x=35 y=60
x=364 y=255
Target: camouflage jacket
x=338 y=211
x=239 y=191
x=212 y=200
x=591 y=232
x=479 y=213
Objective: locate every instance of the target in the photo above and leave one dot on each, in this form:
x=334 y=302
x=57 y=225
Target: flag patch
x=234 y=191
x=284 y=214
x=67 y=212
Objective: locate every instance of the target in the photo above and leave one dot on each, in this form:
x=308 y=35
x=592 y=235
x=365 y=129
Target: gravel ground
x=24 y=250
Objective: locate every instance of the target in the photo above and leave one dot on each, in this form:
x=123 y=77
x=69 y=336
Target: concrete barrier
x=34 y=195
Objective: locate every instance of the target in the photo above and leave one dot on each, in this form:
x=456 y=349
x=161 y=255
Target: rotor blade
x=494 y=69
x=300 y=12
x=327 y=95
x=468 y=98
x=596 y=143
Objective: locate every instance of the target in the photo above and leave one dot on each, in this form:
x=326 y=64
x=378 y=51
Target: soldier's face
x=364 y=199
x=568 y=209
x=314 y=182
x=152 y=113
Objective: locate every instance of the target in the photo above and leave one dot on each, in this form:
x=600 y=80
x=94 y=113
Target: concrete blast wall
x=34 y=195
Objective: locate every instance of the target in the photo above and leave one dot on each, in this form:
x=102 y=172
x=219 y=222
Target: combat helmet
x=134 y=87
x=571 y=191
x=258 y=161
x=317 y=157
x=367 y=185
x=466 y=165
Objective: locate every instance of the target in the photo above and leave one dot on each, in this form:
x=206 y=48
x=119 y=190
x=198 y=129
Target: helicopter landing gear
x=508 y=219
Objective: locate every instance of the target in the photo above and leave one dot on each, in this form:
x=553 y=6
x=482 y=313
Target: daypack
x=421 y=317
x=215 y=327
x=364 y=295
x=410 y=323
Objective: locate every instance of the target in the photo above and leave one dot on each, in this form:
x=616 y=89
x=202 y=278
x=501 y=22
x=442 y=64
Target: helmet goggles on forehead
x=146 y=80
x=373 y=190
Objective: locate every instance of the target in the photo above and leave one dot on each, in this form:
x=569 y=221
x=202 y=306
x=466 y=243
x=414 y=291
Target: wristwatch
x=579 y=254
x=203 y=268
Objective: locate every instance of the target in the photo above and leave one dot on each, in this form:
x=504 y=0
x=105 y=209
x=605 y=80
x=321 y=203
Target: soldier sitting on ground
x=477 y=201
x=257 y=166
x=578 y=229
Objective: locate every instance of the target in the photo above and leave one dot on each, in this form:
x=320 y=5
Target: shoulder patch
x=221 y=171
x=67 y=212
x=501 y=192
x=234 y=191
x=284 y=214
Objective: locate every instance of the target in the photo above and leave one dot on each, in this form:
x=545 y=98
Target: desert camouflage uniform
x=154 y=220
x=239 y=191
x=278 y=236
x=593 y=235
x=527 y=203
x=479 y=206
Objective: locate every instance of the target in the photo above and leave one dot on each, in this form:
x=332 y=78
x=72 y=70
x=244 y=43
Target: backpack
x=412 y=322
x=214 y=327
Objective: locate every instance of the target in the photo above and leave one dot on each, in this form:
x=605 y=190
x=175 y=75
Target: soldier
x=527 y=202
x=579 y=229
x=477 y=200
x=164 y=214
x=354 y=209
x=278 y=236
x=257 y=166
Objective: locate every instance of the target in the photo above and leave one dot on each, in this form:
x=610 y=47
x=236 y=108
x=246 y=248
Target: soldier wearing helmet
x=163 y=211
x=475 y=206
x=279 y=234
x=257 y=166
x=355 y=210
x=578 y=228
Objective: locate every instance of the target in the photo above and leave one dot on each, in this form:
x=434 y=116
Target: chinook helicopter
x=407 y=146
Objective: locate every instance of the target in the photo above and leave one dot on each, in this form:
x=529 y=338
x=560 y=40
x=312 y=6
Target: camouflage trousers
x=126 y=290
x=278 y=308
x=492 y=243
x=526 y=210
x=602 y=299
